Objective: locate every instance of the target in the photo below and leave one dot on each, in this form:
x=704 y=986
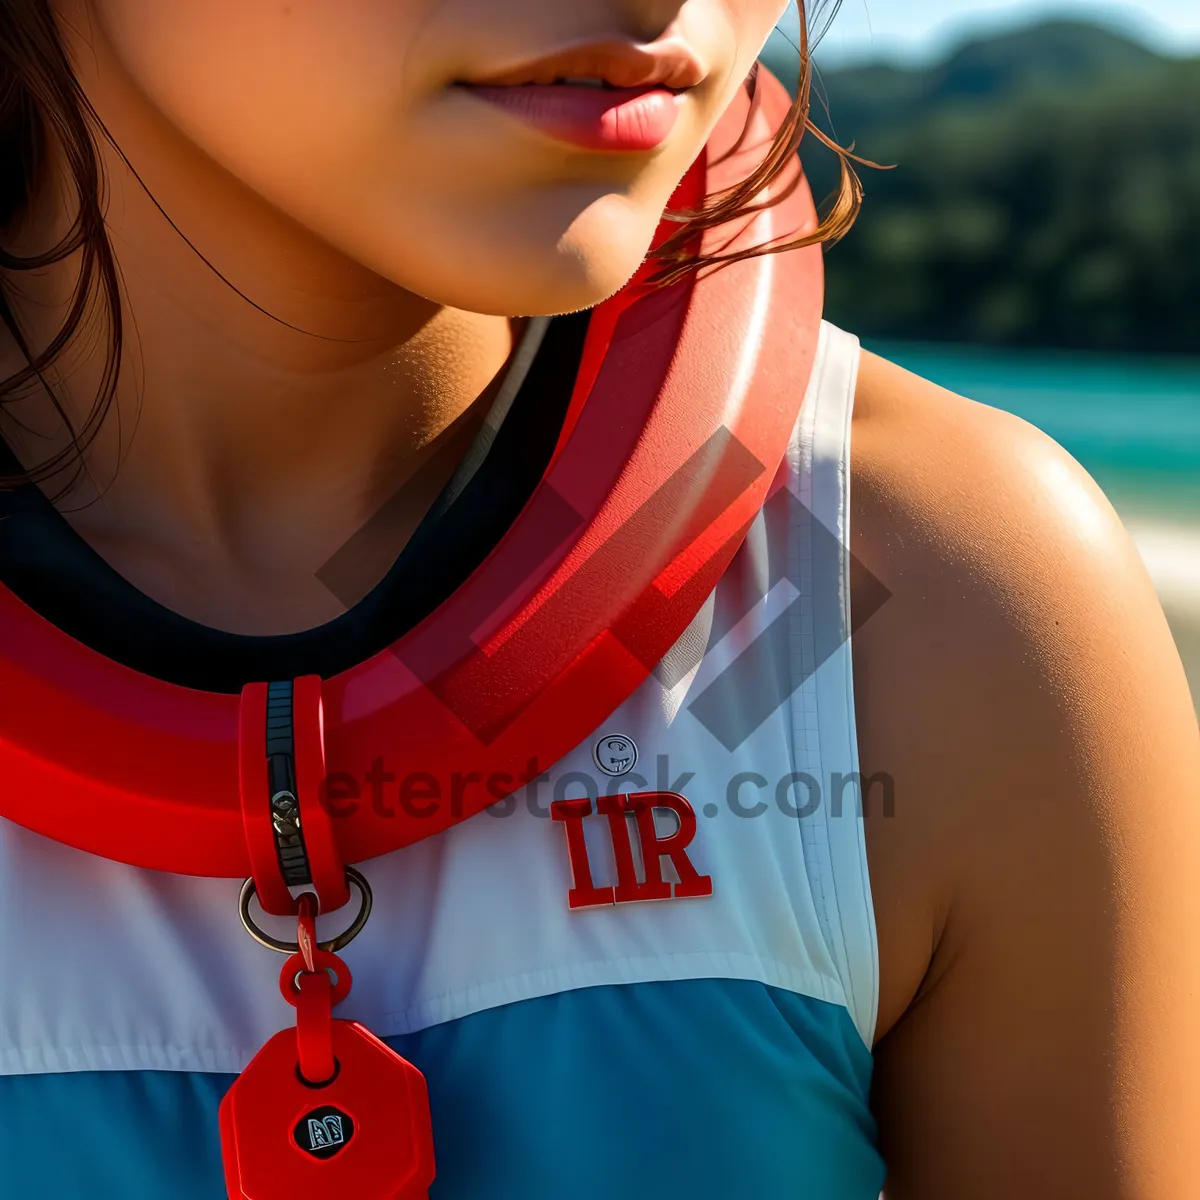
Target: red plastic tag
x=364 y=1133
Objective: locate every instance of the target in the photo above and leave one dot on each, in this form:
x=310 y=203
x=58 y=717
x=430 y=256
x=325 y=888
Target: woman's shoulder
x=990 y=537
x=969 y=475
x=1021 y=647
x=1021 y=688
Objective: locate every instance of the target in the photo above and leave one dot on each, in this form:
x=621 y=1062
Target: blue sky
x=916 y=29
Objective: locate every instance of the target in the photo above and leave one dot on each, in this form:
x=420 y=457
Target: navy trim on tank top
x=51 y=568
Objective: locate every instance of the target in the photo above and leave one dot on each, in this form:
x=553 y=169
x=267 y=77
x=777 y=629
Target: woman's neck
x=252 y=435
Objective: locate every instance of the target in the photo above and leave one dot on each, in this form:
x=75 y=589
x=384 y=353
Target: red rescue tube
x=682 y=412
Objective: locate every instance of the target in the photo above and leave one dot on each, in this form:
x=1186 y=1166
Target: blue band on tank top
x=709 y=1089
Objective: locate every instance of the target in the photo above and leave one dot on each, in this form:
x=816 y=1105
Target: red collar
x=681 y=413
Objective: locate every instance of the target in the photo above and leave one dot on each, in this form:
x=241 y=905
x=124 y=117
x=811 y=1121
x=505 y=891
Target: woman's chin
x=552 y=299
x=563 y=283
x=529 y=264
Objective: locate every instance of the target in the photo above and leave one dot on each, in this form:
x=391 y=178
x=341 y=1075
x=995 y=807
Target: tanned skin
x=1037 y=890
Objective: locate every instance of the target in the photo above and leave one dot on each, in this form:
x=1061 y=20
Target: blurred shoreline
x=1171 y=552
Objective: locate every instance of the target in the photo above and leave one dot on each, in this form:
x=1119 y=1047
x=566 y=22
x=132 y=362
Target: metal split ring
x=342 y=940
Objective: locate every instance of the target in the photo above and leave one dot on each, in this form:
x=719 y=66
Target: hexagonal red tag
x=366 y=1133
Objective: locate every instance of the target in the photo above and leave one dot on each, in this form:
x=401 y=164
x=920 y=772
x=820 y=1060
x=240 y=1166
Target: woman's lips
x=594 y=118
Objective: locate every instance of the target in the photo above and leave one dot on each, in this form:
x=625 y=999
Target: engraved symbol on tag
x=324 y=1131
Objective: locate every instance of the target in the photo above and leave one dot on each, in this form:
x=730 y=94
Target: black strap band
x=281 y=776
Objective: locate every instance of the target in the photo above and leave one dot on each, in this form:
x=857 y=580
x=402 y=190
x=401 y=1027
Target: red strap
x=306 y=929
x=314 y=1027
x=305 y=982
x=324 y=860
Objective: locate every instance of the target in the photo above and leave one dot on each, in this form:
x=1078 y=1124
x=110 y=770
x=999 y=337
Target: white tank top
x=750 y=718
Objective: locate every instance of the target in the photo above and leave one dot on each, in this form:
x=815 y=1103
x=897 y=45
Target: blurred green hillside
x=1046 y=193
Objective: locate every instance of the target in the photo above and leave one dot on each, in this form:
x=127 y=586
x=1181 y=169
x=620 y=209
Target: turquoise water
x=1133 y=423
